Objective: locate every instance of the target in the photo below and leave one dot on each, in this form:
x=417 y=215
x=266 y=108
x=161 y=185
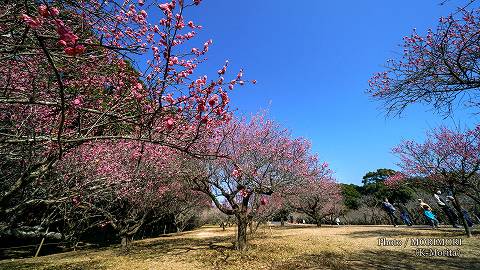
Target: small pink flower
x=201 y=107
x=213 y=100
x=70 y=51
x=236 y=173
x=169 y=123
x=165 y=7
x=54 y=11
x=62 y=43
x=32 y=21
x=43 y=10
x=263 y=201
x=77 y=102
x=79 y=49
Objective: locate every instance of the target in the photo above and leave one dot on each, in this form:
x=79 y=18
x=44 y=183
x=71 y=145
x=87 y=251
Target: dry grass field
x=290 y=247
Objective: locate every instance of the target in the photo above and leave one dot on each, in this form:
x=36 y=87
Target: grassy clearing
x=291 y=247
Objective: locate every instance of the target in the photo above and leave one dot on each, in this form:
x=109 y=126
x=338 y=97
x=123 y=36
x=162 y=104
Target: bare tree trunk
x=346 y=220
x=124 y=242
x=251 y=226
x=242 y=223
x=458 y=207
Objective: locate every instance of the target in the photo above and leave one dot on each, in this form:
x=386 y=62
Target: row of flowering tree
x=80 y=79
x=105 y=123
x=127 y=184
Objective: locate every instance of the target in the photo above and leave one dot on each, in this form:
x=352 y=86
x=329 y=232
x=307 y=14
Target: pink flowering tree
x=127 y=184
x=438 y=68
x=318 y=196
x=75 y=72
x=261 y=159
x=449 y=159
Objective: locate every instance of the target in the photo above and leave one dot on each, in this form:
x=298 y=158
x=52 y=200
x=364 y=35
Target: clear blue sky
x=312 y=60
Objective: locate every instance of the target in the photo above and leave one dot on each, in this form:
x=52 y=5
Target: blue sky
x=312 y=61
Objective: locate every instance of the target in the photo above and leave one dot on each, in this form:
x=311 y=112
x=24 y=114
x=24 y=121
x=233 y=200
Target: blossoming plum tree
x=450 y=159
x=128 y=183
x=261 y=159
x=318 y=196
x=438 y=68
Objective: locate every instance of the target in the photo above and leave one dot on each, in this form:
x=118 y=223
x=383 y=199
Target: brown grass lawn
x=290 y=247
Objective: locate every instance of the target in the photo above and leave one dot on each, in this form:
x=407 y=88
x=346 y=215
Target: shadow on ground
x=151 y=249
x=385 y=259
x=83 y=265
x=216 y=252
x=414 y=232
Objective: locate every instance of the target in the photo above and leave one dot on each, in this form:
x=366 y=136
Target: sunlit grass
x=291 y=247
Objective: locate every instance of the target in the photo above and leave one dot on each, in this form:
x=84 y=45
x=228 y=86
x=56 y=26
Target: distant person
x=337 y=221
x=388 y=207
x=466 y=216
x=404 y=215
x=427 y=212
x=452 y=217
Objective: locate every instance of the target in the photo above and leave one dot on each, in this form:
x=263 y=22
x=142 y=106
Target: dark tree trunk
x=458 y=207
x=242 y=223
x=346 y=220
x=318 y=219
x=124 y=242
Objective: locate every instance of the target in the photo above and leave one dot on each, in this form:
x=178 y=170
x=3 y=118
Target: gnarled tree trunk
x=458 y=207
x=242 y=223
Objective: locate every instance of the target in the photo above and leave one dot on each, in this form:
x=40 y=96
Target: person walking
x=428 y=213
x=452 y=217
x=404 y=215
x=388 y=207
x=467 y=217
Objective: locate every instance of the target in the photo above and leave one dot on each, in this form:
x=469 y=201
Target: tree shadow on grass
x=84 y=265
x=416 y=232
x=391 y=259
x=323 y=260
x=139 y=250
x=384 y=259
x=151 y=248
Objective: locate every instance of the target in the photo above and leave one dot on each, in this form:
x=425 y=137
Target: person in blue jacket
x=428 y=213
